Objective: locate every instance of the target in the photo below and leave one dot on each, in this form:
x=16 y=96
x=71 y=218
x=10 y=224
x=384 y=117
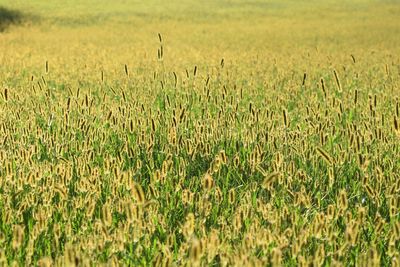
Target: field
x=199 y=133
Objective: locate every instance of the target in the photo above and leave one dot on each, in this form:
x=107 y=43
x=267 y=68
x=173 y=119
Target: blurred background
x=70 y=33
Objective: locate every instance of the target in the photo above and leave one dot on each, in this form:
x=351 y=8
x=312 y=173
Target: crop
x=244 y=158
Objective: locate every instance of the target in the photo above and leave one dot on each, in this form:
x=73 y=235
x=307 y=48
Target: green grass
x=90 y=116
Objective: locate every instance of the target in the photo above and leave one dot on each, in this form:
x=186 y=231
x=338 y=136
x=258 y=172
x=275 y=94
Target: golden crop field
x=199 y=133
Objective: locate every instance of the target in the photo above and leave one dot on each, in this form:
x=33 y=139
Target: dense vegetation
x=200 y=133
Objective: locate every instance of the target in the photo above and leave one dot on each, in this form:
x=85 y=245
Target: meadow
x=199 y=133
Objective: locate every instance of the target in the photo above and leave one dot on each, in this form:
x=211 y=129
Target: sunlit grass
x=200 y=133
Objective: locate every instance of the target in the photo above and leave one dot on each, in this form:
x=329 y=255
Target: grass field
x=199 y=133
